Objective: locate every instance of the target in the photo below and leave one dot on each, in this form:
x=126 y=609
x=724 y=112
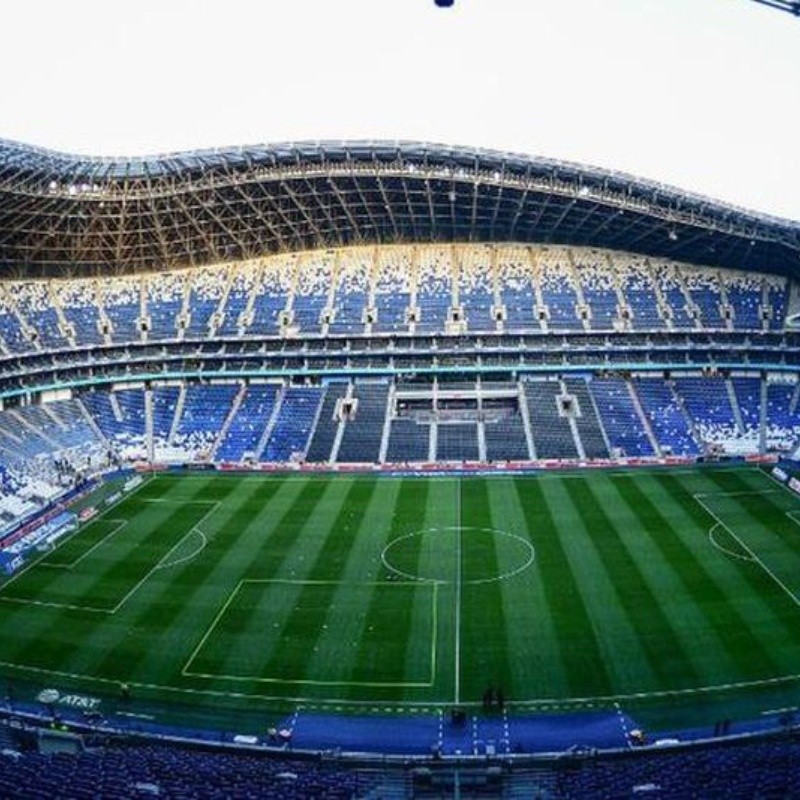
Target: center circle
x=455 y=554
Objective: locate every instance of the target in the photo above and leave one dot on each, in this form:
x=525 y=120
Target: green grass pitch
x=567 y=590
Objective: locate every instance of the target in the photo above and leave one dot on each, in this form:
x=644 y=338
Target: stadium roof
x=68 y=215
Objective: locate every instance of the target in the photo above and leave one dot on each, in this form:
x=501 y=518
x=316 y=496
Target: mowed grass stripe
x=580 y=654
x=158 y=486
x=534 y=657
x=347 y=594
x=234 y=644
x=264 y=533
x=665 y=653
x=437 y=557
x=732 y=633
x=406 y=515
x=300 y=630
x=337 y=648
x=662 y=573
x=484 y=639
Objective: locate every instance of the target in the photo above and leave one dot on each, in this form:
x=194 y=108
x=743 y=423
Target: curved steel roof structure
x=69 y=215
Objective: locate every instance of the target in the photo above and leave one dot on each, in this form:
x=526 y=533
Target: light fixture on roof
x=673 y=235
x=584 y=191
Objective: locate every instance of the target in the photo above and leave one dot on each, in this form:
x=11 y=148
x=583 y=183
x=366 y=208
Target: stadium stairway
x=234 y=410
x=690 y=422
x=387 y=424
x=737 y=414
x=250 y=424
x=362 y=435
x=327 y=429
x=564 y=396
x=272 y=419
x=590 y=431
x=645 y=422
x=621 y=420
x=337 y=439
x=526 y=420
x=552 y=433
x=176 y=419
x=149 y=423
x=92 y=423
x=293 y=424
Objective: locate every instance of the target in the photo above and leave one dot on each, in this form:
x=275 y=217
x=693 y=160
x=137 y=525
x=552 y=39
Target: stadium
x=392 y=469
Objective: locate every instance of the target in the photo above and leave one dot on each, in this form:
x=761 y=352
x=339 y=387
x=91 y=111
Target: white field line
x=215 y=506
x=410 y=576
x=196 y=552
x=792 y=514
x=210 y=629
x=388 y=706
x=435 y=633
x=743 y=493
x=748 y=549
x=187 y=672
x=794 y=495
x=119 y=525
x=722 y=549
x=47 y=604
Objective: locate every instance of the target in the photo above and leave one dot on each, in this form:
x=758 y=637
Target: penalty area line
x=186 y=671
x=119 y=525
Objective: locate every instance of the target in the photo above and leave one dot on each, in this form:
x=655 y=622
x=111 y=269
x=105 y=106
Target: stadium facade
x=380 y=306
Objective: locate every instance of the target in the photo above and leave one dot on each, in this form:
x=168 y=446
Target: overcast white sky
x=703 y=94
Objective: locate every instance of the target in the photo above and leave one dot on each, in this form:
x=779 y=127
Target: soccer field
x=566 y=590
